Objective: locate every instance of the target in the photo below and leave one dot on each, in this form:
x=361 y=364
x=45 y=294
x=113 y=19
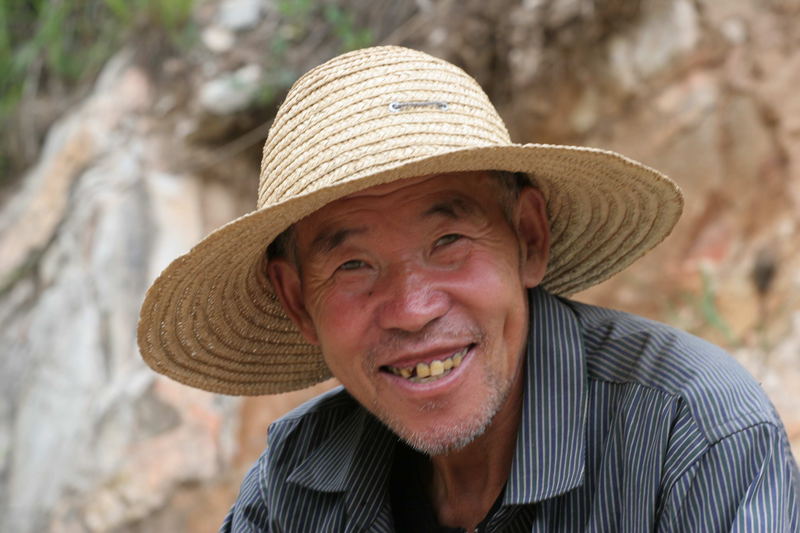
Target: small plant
x=298 y=20
x=344 y=27
x=709 y=311
x=296 y=10
x=169 y=15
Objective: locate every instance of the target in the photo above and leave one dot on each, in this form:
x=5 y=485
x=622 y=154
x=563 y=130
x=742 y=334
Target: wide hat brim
x=212 y=321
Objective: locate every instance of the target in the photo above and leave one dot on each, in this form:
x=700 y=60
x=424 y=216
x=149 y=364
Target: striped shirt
x=627 y=425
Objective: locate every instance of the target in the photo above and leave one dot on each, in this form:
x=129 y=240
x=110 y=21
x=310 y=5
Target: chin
x=442 y=437
x=446 y=440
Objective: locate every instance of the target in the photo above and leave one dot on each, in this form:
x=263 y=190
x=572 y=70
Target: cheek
x=340 y=320
x=341 y=336
x=494 y=292
x=491 y=281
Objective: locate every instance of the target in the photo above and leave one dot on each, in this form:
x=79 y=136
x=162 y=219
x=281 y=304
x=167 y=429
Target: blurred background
x=132 y=128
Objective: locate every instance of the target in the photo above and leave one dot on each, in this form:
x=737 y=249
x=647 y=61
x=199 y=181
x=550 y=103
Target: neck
x=465 y=483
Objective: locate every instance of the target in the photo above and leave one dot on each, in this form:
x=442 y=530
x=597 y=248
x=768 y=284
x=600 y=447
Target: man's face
x=422 y=277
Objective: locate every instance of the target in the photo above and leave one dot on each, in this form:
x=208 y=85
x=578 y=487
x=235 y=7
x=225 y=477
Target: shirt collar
x=355 y=459
x=549 y=458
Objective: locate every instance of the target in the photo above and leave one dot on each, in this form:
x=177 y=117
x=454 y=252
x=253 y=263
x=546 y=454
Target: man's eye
x=447 y=239
x=353 y=264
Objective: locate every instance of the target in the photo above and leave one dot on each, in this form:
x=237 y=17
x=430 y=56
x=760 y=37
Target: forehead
x=412 y=193
x=399 y=205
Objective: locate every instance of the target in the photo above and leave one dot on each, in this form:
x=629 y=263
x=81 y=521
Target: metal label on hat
x=399 y=106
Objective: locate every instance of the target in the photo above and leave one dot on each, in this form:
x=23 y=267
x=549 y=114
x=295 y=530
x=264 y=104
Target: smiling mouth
x=427 y=372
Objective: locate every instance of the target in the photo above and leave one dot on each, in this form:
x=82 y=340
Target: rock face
x=89 y=433
x=92 y=440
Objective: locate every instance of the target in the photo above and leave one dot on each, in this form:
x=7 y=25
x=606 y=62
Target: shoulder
x=746 y=481
x=305 y=447
x=301 y=453
x=720 y=395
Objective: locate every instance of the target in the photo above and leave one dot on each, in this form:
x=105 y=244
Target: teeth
x=424 y=372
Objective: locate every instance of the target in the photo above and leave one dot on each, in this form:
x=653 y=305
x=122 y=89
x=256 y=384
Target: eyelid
x=344 y=267
x=450 y=237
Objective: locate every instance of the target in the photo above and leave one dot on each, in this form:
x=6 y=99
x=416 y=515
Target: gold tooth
x=437 y=368
x=423 y=370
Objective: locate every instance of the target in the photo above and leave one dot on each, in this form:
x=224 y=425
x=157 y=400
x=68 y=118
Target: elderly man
x=405 y=246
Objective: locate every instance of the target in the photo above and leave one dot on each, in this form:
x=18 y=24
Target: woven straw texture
x=211 y=319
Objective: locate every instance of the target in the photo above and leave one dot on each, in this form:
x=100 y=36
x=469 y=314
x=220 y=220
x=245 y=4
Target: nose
x=410 y=299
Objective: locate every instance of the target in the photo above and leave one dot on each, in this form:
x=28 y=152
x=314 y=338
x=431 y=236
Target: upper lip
x=424 y=356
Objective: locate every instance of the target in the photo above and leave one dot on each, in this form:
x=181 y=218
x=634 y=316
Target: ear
x=534 y=234
x=286 y=282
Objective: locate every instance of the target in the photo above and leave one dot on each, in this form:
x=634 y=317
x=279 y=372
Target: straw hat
x=212 y=321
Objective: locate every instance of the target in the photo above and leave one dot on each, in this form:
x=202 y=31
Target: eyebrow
x=454 y=208
x=329 y=239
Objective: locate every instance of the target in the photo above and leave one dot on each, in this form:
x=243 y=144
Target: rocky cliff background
x=106 y=181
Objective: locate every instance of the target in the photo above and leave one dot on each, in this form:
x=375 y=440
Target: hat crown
x=368 y=111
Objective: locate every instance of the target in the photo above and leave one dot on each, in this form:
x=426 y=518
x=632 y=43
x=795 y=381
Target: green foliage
x=170 y=15
x=296 y=10
x=59 y=43
x=298 y=19
x=344 y=27
x=708 y=309
x=56 y=44
x=64 y=41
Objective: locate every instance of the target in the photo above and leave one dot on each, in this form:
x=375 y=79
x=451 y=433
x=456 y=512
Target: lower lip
x=438 y=386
